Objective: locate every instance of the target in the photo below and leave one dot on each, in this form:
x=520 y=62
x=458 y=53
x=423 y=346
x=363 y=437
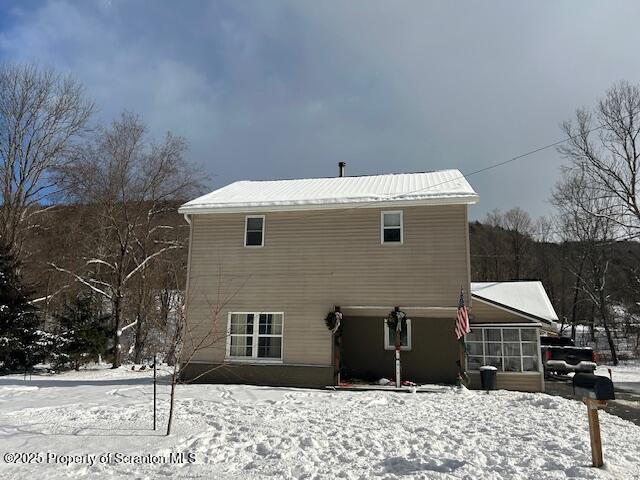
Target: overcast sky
x=279 y=89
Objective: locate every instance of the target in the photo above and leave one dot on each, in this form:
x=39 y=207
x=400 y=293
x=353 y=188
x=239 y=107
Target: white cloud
x=281 y=89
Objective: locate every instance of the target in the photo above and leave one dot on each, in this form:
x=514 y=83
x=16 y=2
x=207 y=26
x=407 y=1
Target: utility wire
x=481 y=170
x=512 y=159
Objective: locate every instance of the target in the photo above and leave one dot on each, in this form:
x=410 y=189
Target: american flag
x=462 y=320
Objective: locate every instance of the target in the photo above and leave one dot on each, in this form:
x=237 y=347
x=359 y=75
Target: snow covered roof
x=529 y=298
x=442 y=187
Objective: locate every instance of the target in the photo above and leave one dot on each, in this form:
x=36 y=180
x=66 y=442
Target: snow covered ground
x=238 y=432
x=625 y=375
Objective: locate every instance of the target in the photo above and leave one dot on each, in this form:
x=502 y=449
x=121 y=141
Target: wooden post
x=594 y=430
x=398 y=381
x=337 y=346
x=398 y=343
x=155 y=380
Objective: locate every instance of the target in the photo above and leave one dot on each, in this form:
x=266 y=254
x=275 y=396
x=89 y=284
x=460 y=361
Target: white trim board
x=506 y=325
x=248 y=208
x=391 y=307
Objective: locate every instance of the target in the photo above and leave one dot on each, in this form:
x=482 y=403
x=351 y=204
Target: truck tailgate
x=571 y=355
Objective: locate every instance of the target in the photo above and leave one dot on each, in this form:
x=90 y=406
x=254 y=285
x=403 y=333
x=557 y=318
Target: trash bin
x=489 y=377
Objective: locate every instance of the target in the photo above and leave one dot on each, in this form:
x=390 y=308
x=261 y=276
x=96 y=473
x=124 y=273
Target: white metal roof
x=527 y=297
x=442 y=187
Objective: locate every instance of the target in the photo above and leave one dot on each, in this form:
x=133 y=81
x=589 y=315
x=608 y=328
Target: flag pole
x=461 y=329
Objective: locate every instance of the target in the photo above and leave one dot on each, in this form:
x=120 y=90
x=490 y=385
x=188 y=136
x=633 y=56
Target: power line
x=499 y=164
x=481 y=170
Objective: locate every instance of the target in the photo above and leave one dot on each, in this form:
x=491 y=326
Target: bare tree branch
x=42 y=115
x=82 y=280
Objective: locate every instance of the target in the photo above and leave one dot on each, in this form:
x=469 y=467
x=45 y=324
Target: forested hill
x=72 y=253
x=500 y=254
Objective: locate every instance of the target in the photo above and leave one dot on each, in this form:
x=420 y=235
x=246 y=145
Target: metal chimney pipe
x=341 y=166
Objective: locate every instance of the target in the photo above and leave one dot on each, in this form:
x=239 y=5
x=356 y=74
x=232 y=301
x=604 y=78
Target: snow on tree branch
x=81 y=280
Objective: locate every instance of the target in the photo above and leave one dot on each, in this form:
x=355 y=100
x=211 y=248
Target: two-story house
x=269 y=259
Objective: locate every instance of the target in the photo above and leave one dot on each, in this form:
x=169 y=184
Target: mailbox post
x=594 y=430
x=594 y=390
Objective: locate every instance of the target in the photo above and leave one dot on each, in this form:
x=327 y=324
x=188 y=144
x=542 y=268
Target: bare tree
x=196 y=335
x=576 y=198
x=568 y=198
x=42 y=115
x=507 y=240
x=494 y=220
x=518 y=223
x=168 y=298
x=604 y=145
x=541 y=258
x=133 y=184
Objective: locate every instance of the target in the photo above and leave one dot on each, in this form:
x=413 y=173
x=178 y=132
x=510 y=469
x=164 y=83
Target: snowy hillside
x=238 y=432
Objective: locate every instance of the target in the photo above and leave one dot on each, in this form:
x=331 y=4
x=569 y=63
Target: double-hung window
x=254 y=231
x=391 y=228
x=507 y=349
x=255 y=336
x=390 y=336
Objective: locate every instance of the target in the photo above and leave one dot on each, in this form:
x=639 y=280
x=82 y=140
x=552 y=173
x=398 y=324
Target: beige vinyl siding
x=522 y=381
x=482 y=312
x=313 y=260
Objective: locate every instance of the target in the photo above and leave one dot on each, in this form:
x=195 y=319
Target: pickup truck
x=561 y=356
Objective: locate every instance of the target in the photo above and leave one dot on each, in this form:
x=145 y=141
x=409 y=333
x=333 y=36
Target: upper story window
x=254 y=231
x=392 y=227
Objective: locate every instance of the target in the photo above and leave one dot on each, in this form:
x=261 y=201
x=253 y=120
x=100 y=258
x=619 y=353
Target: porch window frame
x=485 y=354
x=387 y=337
x=256 y=335
x=246 y=230
x=383 y=228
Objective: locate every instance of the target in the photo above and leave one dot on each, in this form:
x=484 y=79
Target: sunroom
x=506 y=321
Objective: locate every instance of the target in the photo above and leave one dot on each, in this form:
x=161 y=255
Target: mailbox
x=595 y=387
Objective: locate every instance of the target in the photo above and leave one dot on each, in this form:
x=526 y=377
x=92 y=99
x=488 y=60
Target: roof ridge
x=418 y=188
x=352 y=176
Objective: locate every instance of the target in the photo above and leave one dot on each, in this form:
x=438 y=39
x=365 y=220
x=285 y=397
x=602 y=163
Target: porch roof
x=527 y=298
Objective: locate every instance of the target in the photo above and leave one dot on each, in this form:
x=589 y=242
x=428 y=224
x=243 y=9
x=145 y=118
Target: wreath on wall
x=397 y=316
x=333 y=320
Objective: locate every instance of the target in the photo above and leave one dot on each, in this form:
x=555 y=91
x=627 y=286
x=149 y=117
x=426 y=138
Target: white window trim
x=484 y=342
x=382 y=228
x=264 y=226
x=254 y=358
x=386 y=337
